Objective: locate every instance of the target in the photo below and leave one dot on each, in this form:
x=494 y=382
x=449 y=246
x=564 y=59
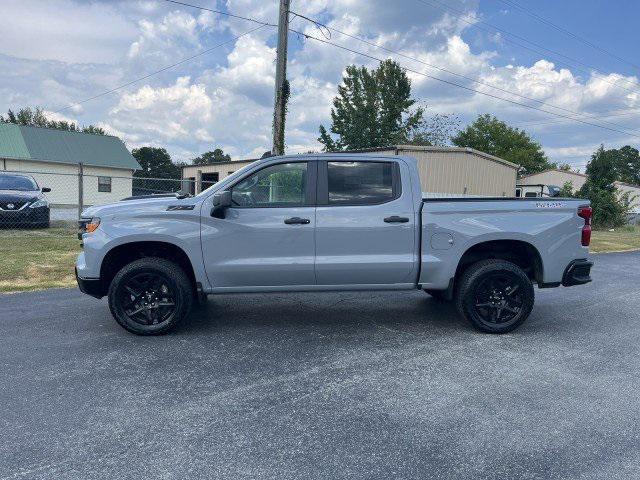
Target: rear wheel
x=496 y=296
x=150 y=296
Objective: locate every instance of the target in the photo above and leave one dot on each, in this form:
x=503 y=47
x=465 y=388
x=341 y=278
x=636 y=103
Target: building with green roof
x=54 y=158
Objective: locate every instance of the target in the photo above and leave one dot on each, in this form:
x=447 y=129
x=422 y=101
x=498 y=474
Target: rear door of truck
x=365 y=223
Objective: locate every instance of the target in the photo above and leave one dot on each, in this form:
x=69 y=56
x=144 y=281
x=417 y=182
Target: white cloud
x=225 y=98
x=64 y=30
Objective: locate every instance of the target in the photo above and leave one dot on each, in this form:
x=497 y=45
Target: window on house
x=104 y=184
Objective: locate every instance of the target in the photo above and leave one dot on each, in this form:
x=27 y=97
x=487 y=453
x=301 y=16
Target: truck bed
x=453 y=226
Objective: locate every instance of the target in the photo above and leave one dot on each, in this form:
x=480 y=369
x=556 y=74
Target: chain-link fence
x=39 y=213
x=49 y=201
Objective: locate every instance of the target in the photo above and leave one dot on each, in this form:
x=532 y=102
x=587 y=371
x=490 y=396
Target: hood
x=140 y=206
x=19 y=196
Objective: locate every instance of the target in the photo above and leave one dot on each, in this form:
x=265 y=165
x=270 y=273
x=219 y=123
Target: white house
x=55 y=157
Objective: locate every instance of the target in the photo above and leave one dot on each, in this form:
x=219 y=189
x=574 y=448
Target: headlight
x=92 y=225
x=43 y=202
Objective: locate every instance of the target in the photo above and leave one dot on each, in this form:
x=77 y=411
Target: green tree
x=208 y=158
x=567 y=190
x=493 y=136
x=609 y=209
x=37 y=118
x=373 y=108
x=628 y=165
x=155 y=163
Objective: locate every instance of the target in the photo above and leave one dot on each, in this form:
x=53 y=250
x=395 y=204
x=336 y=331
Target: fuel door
x=441 y=241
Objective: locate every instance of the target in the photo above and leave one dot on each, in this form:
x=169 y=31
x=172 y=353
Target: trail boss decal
x=550 y=205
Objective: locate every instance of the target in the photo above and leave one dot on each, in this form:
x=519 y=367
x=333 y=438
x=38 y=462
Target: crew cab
x=330 y=222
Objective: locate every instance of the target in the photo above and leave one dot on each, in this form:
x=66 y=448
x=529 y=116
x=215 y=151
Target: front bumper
x=577 y=273
x=90 y=286
x=25 y=217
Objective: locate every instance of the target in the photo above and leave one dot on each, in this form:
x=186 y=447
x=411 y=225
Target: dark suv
x=22 y=203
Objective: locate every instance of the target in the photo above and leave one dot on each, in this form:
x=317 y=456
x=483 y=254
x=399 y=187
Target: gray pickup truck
x=330 y=222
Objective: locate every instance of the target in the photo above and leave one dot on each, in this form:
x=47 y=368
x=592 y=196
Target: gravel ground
x=333 y=385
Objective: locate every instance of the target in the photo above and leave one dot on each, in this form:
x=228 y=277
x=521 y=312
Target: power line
x=220 y=12
x=474 y=25
x=479 y=82
x=163 y=69
x=568 y=32
x=424 y=74
x=625 y=112
x=448 y=82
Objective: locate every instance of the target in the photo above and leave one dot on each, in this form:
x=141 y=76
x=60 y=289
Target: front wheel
x=496 y=296
x=150 y=296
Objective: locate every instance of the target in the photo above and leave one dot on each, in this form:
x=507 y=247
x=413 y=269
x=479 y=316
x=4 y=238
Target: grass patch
x=623 y=238
x=37 y=259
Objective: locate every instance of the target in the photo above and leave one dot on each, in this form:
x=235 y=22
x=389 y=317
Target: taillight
x=586 y=212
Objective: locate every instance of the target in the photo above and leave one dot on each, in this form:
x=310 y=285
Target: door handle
x=396 y=219
x=297 y=221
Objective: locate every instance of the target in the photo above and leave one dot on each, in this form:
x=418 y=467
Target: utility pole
x=282 y=86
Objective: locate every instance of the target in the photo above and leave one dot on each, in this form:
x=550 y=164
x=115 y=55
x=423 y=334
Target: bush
x=608 y=210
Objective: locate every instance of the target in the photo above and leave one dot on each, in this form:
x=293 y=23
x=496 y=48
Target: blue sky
x=56 y=53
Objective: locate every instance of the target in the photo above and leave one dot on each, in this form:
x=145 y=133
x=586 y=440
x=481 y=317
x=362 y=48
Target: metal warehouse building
x=443 y=170
x=560 y=177
x=53 y=158
x=555 y=177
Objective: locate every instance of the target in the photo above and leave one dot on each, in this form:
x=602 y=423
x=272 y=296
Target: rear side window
x=360 y=183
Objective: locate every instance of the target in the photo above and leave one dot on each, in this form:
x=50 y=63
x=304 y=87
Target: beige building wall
x=634 y=194
x=462 y=171
x=555 y=177
x=222 y=169
x=62 y=179
x=454 y=171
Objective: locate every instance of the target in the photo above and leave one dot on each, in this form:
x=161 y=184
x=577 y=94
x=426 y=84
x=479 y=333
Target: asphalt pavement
x=333 y=385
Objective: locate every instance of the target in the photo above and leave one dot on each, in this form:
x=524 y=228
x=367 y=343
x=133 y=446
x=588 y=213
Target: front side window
x=360 y=183
x=283 y=184
x=104 y=184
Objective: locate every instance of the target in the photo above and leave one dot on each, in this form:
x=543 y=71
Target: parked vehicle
x=326 y=222
x=22 y=202
x=539 y=190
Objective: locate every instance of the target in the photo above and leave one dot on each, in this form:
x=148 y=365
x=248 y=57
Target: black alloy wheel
x=150 y=296
x=147 y=298
x=496 y=296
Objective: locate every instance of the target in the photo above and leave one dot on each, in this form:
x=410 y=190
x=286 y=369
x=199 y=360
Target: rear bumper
x=90 y=286
x=577 y=273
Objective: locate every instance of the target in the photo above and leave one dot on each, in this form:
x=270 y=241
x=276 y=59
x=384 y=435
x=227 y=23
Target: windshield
x=17 y=182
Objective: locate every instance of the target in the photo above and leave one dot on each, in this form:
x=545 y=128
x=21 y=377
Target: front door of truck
x=365 y=224
x=267 y=237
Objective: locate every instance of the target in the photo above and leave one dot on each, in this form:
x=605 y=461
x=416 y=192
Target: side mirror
x=221 y=201
x=46 y=189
